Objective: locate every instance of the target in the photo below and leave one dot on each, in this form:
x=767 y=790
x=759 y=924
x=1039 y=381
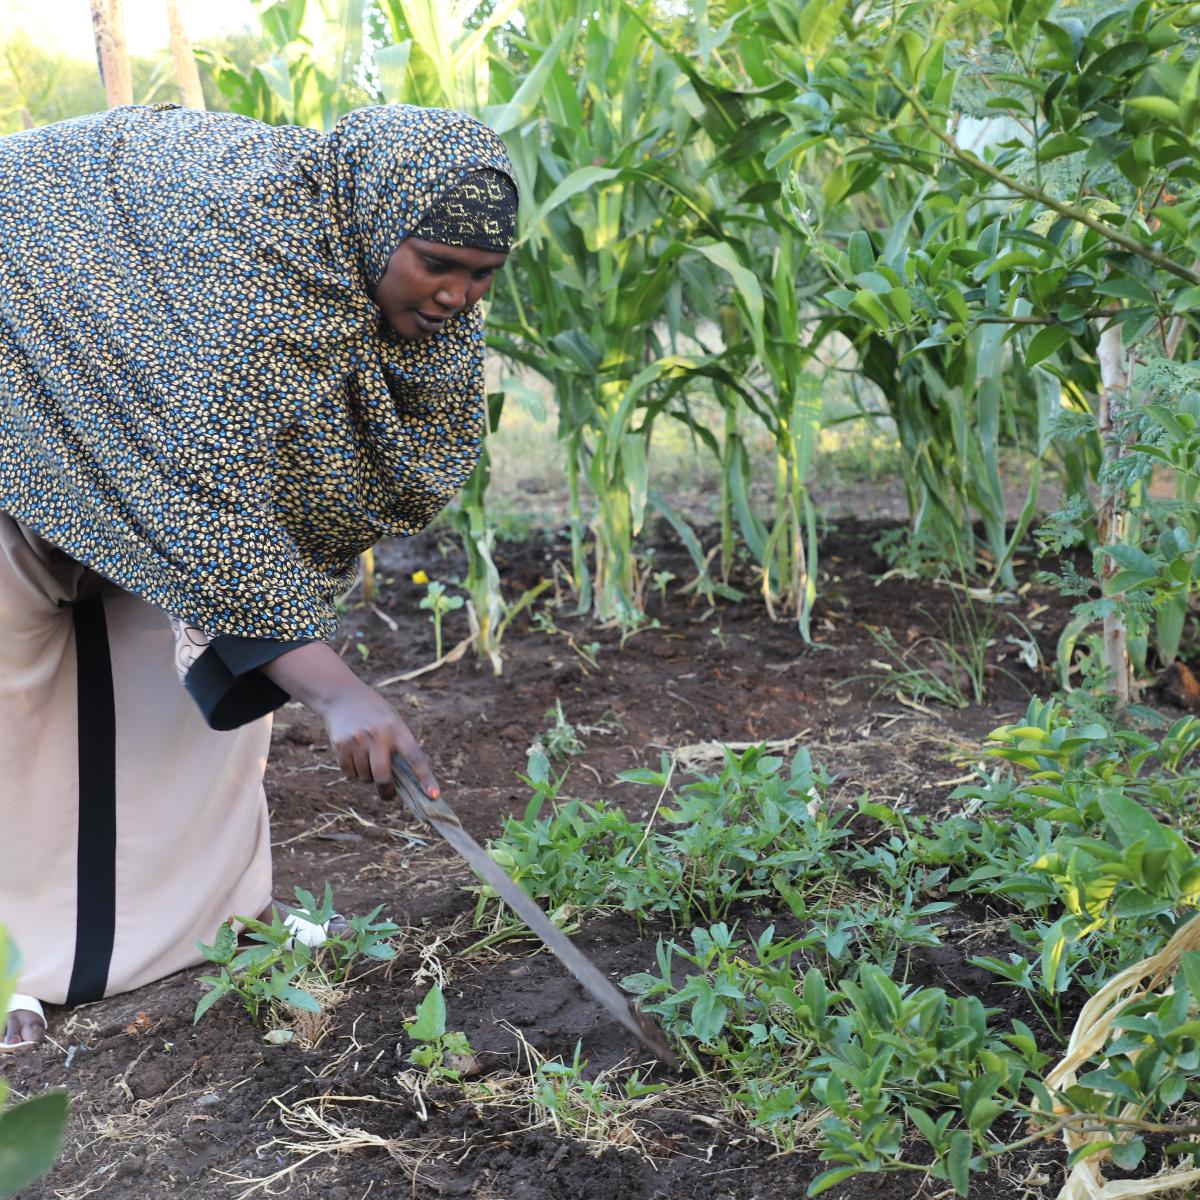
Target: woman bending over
x=232 y=357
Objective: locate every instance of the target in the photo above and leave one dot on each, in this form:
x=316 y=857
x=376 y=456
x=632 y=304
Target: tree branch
x=1075 y=213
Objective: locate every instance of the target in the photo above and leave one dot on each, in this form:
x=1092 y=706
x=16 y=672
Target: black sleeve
x=227 y=685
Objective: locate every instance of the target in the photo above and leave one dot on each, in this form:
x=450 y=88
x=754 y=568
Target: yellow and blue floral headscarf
x=198 y=397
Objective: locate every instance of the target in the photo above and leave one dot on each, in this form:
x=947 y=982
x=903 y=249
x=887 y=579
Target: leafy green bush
x=1082 y=843
x=277 y=968
x=725 y=841
x=879 y=1056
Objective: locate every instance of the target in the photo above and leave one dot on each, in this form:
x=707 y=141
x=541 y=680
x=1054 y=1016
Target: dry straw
x=1088 y=1038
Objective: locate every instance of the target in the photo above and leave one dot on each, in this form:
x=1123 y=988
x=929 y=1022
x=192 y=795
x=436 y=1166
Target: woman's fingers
x=406 y=746
x=381 y=768
x=365 y=732
x=354 y=757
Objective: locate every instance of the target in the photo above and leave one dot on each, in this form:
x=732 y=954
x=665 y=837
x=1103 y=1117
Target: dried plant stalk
x=1088 y=1038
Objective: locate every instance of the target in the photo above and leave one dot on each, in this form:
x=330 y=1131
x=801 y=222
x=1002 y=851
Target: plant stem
x=1112 y=515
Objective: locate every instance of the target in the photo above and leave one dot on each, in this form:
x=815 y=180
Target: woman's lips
x=426 y=323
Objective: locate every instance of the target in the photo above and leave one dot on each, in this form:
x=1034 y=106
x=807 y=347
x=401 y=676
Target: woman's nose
x=452 y=294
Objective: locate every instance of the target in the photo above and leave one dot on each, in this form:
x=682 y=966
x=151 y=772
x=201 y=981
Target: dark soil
x=160 y=1106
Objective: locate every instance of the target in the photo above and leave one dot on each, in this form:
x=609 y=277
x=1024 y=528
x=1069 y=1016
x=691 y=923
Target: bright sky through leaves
x=66 y=25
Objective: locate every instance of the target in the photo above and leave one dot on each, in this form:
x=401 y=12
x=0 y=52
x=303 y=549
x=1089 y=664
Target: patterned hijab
x=198 y=398
x=478 y=211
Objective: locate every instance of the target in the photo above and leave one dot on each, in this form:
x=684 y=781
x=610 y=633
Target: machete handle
x=414 y=797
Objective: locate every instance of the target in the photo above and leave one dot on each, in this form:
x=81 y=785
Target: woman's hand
x=364 y=730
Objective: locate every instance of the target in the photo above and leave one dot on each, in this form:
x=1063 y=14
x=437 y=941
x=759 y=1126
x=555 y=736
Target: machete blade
x=443 y=819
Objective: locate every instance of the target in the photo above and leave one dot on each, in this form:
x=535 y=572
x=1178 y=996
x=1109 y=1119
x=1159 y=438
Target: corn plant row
x=720 y=202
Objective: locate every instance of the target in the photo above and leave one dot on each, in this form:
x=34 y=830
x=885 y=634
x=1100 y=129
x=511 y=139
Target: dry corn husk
x=1088 y=1038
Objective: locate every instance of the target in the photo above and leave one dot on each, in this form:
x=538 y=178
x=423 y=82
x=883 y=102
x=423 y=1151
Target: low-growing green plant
x=587 y=652
x=735 y=832
x=444 y=1055
x=662 y=580
x=278 y=969
x=1075 y=840
x=1151 y=1065
x=587 y=856
x=31 y=1132
x=883 y=933
x=724 y=841
x=1090 y=794
x=561 y=740
x=439 y=603
x=951 y=670
x=581 y=1106
x=880 y=1057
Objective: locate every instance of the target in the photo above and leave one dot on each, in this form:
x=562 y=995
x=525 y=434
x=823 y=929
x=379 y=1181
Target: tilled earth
x=160 y=1107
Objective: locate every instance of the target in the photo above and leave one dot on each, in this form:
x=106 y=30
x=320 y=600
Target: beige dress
x=128 y=828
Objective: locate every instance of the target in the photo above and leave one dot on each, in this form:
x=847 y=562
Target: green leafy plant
x=1072 y=847
x=1106 y=877
x=582 y=1107
x=951 y=670
x=725 y=840
x=560 y=740
x=32 y=1131
x=444 y=1055
x=662 y=580
x=277 y=969
x=439 y=603
x=879 y=1056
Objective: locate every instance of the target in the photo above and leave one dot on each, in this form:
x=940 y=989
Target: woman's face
x=426 y=283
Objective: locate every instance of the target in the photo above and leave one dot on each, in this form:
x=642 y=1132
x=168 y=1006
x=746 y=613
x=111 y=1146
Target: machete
x=442 y=818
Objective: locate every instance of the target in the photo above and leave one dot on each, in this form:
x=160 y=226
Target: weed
x=661 y=580
x=589 y=1109
x=951 y=670
x=722 y=842
x=443 y=1055
x=877 y=1055
x=632 y=621
x=280 y=970
x=439 y=604
x=560 y=740
x=543 y=622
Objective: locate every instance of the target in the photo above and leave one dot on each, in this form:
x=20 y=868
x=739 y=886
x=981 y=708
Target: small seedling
x=560 y=740
x=439 y=604
x=661 y=579
x=543 y=622
x=279 y=970
x=444 y=1056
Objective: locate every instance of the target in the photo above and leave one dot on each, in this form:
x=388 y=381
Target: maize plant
x=1035 y=264
x=615 y=242
x=1012 y=272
